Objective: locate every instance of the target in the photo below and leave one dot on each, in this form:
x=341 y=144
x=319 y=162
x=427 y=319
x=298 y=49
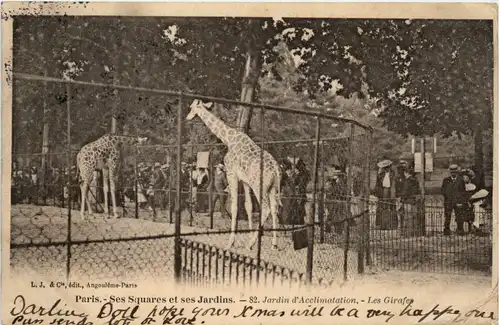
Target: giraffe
x=101 y=153
x=242 y=163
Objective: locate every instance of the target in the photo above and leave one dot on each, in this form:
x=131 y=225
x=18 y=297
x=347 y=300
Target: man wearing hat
x=219 y=186
x=453 y=191
x=385 y=190
x=400 y=177
x=155 y=191
x=185 y=187
x=336 y=195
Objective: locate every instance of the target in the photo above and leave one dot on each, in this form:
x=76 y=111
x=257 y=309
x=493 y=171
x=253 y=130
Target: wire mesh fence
x=176 y=211
x=416 y=240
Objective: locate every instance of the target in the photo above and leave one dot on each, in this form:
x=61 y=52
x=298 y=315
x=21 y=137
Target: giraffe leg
x=273 y=204
x=248 y=204
x=92 y=187
x=265 y=212
x=113 y=191
x=105 y=188
x=233 y=190
x=83 y=189
x=86 y=193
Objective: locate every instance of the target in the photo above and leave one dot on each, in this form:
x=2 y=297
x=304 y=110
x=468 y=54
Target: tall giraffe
x=242 y=163
x=101 y=153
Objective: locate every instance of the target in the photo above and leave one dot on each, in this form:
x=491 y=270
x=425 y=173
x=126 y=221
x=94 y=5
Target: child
x=482 y=222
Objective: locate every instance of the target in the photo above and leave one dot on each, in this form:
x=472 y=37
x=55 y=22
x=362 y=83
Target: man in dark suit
x=453 y=191
x=219 y=186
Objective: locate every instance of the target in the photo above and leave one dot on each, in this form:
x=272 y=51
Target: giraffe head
x=195 y=106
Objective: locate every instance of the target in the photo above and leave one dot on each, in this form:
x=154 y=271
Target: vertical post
x=45 y=147
x=261 y=194
x=170 y=201
x=322 y=199
x=367 y=199
x=177 y=246
x=421 y=215
x=113 y=124
x=211 y=189
x=422 y=164
x=347 y=227
x=68 y=113
x=363 y=204
x=192 y=201
x=310 y=226
x=136 y=183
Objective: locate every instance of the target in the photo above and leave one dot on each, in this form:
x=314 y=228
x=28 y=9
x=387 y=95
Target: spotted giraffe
x=101 y=153
x=242 y=163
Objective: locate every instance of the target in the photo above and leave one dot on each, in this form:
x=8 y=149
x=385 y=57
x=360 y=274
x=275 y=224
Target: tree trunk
x=250 y=79
x=479 y=157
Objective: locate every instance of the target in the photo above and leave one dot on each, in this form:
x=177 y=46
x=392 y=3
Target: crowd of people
x=26 y=185
x=398 y=204
x=156 y=187
x=397 y=190
x=465 y=200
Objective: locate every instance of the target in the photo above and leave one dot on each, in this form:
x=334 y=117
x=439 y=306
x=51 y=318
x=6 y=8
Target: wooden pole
x=421 y=215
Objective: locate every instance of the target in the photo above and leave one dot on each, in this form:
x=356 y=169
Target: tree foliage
x=407 y=76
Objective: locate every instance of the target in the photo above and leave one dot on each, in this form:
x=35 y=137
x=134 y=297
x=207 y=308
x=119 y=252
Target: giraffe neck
x=216 y=125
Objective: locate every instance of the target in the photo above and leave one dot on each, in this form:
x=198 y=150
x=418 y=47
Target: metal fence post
x=211 y=189
x=177 y=245
x=192 y=200
x=350 y=189
x=367 y=193
x=68 y=111
x=322 y=199
x=363 y=204
x=136 y=183
x=310 y=226
x=261 y=194
x=170 y=200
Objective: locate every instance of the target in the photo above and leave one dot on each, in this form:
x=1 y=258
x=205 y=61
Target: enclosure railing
x=314 y=201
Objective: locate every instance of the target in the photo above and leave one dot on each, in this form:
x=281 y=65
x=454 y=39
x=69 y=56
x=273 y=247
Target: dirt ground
x=115 y=252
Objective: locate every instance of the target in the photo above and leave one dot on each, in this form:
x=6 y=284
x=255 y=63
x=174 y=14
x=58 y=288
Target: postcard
x=264 y=163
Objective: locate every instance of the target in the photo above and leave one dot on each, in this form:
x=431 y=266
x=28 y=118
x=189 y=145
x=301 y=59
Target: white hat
x=384 y=163
x=481 y=194
x=157 y=164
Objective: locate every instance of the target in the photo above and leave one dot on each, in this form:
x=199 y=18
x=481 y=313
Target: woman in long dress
x=482 y=218
x=287 y=192
x=468 y=208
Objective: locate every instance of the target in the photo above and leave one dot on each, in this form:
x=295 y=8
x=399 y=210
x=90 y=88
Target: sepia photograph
x=250 y=151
